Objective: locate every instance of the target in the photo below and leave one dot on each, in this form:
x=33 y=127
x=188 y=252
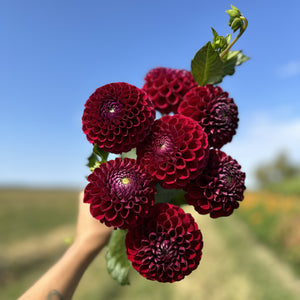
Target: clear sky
x=54 y=54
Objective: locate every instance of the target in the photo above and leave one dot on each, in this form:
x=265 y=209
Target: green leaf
x=215 y=34
x=229 y=63
x=129 y=154
x=117 y=263
x=100 y=152
x=178 y=199
x=207 y=66
x=164 y=195
x=231 y=60
x=92 y=161
x=241 y=58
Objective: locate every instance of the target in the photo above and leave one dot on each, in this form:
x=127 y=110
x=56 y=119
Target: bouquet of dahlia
x=163 y=162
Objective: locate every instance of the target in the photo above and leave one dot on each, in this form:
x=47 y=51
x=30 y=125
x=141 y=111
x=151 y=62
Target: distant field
x=275 y=220
x=34 y=225
x=26 y=212
x=290 y=186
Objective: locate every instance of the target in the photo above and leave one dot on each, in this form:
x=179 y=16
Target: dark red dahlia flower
x=166 y=87
x=167 y=246
x=175 y=151
x=214 y=111
x=219 y=188
x=120 y=192
x=117 y=116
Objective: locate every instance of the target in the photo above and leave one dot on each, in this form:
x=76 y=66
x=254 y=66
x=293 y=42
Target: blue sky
x=54 y=54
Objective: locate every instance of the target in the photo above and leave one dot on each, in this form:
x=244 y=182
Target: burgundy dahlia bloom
x=117 y=116
x=120 y=192
x=175 y=151
x=167 y=246
x=215 y=112
x=219 y=188
x=166 y=87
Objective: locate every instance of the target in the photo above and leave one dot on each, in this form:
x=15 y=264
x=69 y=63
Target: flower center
x=125 y=180
x=229 y=179
x=164 y=251
x=111 y=109
x=163 y=144
x=223 y=114
x=230 y=176
x=124 y=183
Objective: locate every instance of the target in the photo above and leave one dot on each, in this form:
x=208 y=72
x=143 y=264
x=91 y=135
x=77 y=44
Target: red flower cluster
x=167 y=246
x=178 y=151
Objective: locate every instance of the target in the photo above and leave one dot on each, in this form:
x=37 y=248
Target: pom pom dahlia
x=166 y=87
x=219 y=187
x=175 y=151
x=214 y=111
x=120 y=192
x=167 y=246
x=117 y=116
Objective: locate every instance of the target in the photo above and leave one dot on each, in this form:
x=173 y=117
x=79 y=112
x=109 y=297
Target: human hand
x=90 y=232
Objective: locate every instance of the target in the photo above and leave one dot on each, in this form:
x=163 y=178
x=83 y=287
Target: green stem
x=237 y=37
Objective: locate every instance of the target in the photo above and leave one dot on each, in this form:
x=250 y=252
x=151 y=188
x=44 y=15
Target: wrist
x=89 y=245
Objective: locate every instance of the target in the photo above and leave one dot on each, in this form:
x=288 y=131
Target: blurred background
x=54 y=54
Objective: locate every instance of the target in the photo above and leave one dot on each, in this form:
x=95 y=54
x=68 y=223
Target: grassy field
x=246 y=256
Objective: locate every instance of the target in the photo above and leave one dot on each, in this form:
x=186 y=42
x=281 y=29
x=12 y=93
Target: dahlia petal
x=111 y=215
x=105 y=206
x=160 y=175
x=180 y=163
x=170 y=179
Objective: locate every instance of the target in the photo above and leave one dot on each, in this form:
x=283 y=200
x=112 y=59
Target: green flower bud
x=237 y=24
x=220 y=42
x=234 y=12
x=231 y=20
